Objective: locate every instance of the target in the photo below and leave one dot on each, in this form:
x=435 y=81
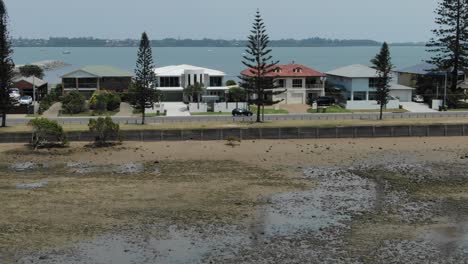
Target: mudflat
x=398 y=200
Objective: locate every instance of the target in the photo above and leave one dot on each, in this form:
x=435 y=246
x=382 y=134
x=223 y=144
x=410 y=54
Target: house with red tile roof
x=302 y=84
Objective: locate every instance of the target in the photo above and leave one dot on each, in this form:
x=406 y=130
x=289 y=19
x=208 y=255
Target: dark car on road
x=325 y=101
x=241 y=112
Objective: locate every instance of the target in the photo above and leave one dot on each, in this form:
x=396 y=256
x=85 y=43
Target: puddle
x=177 y=246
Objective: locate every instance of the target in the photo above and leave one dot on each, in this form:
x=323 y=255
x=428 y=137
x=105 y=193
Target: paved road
x=175 y=119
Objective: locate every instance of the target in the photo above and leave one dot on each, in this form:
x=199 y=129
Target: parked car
x=325 y=101
x=418 y=99
x=15 y=93
x=241 y=112
x=25 y=100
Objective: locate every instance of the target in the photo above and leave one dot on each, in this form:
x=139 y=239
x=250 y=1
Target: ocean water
x=224 y=59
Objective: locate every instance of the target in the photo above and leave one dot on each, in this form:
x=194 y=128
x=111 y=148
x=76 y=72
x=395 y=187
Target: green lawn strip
x=270 y=111
x=272 y=124
x=90 y=113
x=211 y=113
x=339 y=109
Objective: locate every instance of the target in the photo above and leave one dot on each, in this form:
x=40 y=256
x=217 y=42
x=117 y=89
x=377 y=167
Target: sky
x=382 y=20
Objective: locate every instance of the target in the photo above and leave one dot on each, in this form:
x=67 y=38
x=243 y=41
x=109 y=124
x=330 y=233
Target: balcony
x=314 y=86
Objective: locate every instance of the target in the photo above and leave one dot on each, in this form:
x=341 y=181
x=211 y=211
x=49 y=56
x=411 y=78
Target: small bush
x=233 y=141
x=102 y=101
x=47 y=132
x=113 y=102
x=231 y=83
x=104 y=130
x=74 y=103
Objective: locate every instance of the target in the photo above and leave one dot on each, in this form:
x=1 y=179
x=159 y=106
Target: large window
x=169 y=82
x=297 y=83
x=359 y=96
x=216 y=81
x=281 y=83
x=69 y=83
x=373 y=82
x=87 y=82
x=372 y=96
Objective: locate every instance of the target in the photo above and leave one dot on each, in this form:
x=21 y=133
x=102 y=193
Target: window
x=69 y=83
x=372 y=96
x=281 y=83
x=87 y=82
x=195 y=80
x=189 y=80
x=297 y=70
x=216 y=81
x=169 y=82
x=297 y=83
x=373 y=82
x=278 y=70
x=359 y=96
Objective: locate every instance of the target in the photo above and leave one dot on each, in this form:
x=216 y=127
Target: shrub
x=47 y=132
x=74 y=103
x=231 y=83
x=113 y=102
x=104 y=130
x=233 y=141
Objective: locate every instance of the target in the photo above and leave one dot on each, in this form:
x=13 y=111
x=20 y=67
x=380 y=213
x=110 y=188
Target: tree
x=32 y=70
x=231 y=83
x=383 y=65
x=6 y=65
x=144 y=92
x=450 y=45
x=237 y=94
x=259 y=83
x=195 y=91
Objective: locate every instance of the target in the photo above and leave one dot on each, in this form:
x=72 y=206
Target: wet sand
x=291 y=201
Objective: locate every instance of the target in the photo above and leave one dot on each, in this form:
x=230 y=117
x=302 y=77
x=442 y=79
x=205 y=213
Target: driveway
x=176 y=109
x=417 y=107
x=53 y=111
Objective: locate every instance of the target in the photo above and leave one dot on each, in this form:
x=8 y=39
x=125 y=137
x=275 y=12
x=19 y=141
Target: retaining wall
x=268 y=133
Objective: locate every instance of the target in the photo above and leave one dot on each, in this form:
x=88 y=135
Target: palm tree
x=195 y=91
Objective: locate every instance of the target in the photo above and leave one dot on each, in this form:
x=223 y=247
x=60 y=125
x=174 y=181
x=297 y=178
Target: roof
x=290 y=70
x=178 y=70
x=103 y=71
x=396 y=86
x=421 y=69
x=354 y=71
x=32 y=80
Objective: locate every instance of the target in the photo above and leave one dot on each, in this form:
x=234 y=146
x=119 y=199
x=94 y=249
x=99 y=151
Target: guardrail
x=267 y=133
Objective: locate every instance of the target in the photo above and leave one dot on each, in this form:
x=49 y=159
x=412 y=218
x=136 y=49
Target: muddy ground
x=291 y=201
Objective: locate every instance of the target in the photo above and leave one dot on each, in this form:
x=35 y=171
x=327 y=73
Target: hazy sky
x=390 y=20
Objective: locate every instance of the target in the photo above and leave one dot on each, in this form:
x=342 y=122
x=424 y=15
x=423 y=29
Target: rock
x=24 y=166
x=130 y=168
x=30 y=186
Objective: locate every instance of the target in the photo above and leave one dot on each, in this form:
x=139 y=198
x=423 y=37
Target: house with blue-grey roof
x=88 y=79
x=409 y=76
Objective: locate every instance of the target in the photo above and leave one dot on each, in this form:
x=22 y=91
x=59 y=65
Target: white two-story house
x=172 y=80
x=357 y=84
x=302 y=84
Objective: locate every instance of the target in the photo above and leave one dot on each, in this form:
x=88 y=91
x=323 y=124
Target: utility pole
x=445 y=90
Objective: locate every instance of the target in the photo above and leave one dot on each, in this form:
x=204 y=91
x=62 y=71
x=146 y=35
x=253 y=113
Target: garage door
x=173 y=97
x=404 y=95
x=296 y=98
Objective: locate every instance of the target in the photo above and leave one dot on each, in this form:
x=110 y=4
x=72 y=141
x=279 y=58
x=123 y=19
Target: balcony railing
x=314 y=86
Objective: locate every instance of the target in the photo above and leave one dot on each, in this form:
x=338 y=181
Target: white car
x=418 y=99
x=25 y=100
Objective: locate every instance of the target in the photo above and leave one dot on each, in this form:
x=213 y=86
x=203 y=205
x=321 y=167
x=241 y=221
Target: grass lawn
x=296 y=123
x=269 y=111
x=339 y=109
x=90 y=113
x=211 y=113
x=154 y=114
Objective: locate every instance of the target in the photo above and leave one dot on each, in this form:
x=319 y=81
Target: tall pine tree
x=382 y=63
x=260 y=84
x=450 y=45
x=6 y=65
x=144 y=93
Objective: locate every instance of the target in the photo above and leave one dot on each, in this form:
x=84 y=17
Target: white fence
x=228 y=107
x=217 y=107
x=371 y=105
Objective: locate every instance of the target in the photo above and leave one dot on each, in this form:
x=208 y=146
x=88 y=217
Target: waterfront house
x=26 y=86
x=409 y=76
x=302 y=84
x=357 y=84
x=92 y=78
x=172 y=80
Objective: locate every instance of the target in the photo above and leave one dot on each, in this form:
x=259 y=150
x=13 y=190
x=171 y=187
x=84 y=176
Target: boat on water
x=66 y=52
